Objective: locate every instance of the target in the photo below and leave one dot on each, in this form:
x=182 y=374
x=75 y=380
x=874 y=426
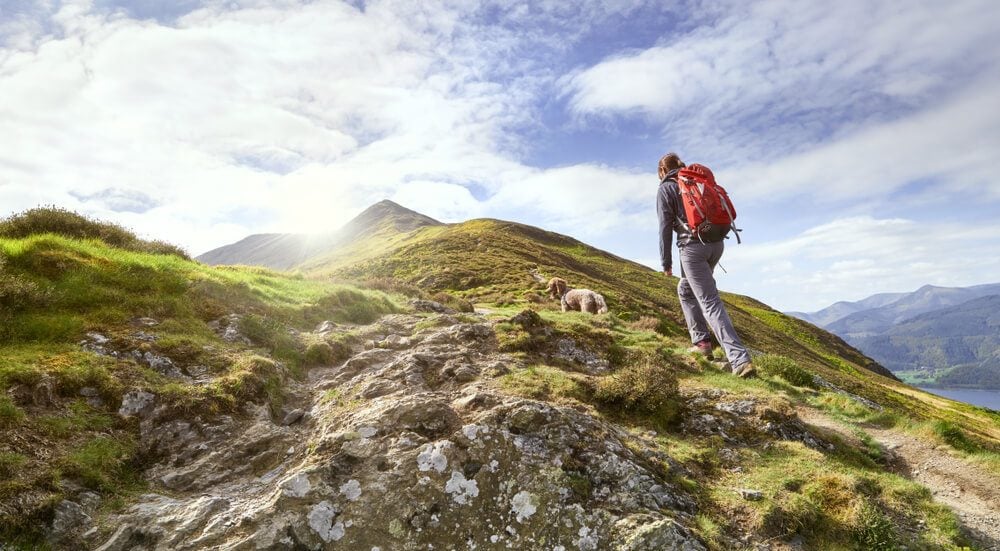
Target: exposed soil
x=970 y=490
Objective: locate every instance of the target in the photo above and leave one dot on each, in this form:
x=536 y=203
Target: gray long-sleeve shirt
x=668 y=209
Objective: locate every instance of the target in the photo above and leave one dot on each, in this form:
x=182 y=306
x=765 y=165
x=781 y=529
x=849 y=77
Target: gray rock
x=658 y=535
x=90 y=501
x=326 y=327
x=136 y=402
x=750 y=495
x=67 y=518
x=162 y=365
x=395 y=342
x=293 y=416
x=568 y=350
x=89 y=392
x=430 y=306
x=97 y=338
x=741 y=407
x=427 y=459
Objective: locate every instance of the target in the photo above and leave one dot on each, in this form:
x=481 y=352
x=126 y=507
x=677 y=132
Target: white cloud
x=954 y=144
x=287 y=119
x=852 y=258
x=770 y=78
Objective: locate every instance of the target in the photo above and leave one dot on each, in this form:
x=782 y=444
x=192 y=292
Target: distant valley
x=934 y=336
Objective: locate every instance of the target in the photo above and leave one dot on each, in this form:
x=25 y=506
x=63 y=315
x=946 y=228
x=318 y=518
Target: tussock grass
x=10 y=414
x=646 y=386
x=66 y=223
x=777 y=365
x=846 y=409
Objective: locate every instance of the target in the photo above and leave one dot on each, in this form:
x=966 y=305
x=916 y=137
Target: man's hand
x=668 y=273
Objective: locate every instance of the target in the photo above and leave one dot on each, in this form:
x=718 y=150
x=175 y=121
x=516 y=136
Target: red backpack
x=710 y=213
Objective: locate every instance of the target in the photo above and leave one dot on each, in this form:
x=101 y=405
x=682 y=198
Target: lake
x=985 y=398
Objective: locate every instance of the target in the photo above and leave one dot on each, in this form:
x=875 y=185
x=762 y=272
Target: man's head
x=670 y=161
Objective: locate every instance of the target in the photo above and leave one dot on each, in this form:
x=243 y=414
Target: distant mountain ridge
x=842 y=309
x=285 y=251
x=948 y=335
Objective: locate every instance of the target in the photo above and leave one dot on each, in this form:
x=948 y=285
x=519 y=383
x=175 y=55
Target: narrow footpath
x=971 y=490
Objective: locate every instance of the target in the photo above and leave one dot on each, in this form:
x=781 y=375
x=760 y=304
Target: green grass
x=10 y=462
x=786 y=368
x=542 y=382
x=55 y=288
x=846 y=409
x=103 y=463
x=10 y=414
x=832 y=498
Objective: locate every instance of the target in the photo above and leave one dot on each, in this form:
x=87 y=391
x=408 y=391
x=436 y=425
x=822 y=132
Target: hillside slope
x=153 y=402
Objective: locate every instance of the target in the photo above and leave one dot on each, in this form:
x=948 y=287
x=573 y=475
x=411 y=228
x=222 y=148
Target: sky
x=859 y=140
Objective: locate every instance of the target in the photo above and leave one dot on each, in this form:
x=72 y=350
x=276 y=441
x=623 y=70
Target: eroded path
x=969 y=489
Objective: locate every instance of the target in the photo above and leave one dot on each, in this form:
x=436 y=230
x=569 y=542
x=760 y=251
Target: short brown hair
x=670 y=161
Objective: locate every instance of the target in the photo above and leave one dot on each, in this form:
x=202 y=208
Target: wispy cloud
x=852 y=258
x=778 y=77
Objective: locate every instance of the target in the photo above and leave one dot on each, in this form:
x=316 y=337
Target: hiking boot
x=702 y=347
x=745 y=371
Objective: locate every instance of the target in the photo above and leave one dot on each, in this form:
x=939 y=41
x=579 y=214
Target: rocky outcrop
x=409 y=445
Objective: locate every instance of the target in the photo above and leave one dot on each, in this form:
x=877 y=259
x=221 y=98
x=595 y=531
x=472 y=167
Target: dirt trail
x=972 y=491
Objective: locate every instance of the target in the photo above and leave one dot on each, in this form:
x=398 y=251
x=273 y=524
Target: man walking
x=698 y=294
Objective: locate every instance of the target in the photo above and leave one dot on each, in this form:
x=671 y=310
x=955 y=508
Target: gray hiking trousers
x=700 y=301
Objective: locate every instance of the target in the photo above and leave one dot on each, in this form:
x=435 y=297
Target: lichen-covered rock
x=68 y=518
x=399 y=451
x=655 y=535
x=136 y=402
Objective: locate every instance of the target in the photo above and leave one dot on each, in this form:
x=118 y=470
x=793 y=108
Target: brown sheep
x=583 y=300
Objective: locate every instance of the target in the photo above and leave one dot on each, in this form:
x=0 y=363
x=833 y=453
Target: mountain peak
x=387 y=212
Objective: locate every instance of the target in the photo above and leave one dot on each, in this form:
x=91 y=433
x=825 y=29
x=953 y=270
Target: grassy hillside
x=58 y=400
x=63 y=294
x=503 y=266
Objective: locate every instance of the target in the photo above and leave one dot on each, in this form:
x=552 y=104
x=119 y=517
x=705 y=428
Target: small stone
x=466 y=374
x=136 y=402
x=97 y=338
x=326 y=327
x=751 y=495
x=67 y=517
x=395 y=342
x=148 y=322
x=89 y=392
x=293 y=417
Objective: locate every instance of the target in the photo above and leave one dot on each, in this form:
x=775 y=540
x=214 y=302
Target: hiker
x=698 y=294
